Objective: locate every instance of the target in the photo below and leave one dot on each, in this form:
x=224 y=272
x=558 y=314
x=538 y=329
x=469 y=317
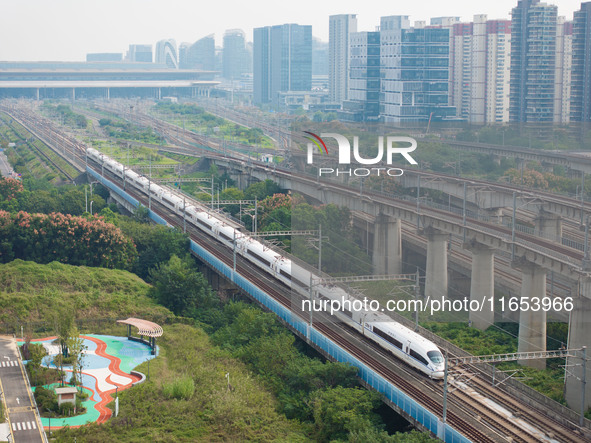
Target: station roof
x=106 y=84
x=145 y=327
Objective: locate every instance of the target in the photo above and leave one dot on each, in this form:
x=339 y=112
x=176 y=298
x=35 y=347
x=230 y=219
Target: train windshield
x=435 y=357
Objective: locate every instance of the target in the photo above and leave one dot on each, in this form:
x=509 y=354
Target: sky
x=66 y=30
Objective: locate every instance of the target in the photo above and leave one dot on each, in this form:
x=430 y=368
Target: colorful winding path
x=107 y=366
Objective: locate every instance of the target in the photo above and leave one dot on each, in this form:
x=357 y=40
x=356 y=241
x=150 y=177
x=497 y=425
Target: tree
x=10 y=188
x=338 y=411
x=231 y=194
x=180 y=287
x=76 y=349
x=63 y=326
x=141 y=214
x=36 y=353
x=261 y=190
x=155 y=244
x=58 y=237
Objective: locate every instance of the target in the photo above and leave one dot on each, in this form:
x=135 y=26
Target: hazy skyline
x=66 y=30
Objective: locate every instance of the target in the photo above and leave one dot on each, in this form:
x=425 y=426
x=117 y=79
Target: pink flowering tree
x=65 y=238
x=9 y=188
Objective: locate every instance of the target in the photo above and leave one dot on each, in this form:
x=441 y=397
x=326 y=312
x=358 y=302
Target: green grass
x=27 y=160
x=137 y=154
x=187 y=396
x=32 y=293
x=195 y=122
x=148 y=412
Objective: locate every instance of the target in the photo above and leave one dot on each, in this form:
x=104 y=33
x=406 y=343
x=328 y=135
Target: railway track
x=181 y=136
x=43 y=154
x=430 y=401
x=358 y=351
x=544 y=422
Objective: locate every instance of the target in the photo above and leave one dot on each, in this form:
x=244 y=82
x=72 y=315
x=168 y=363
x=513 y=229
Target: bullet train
x=403 y=343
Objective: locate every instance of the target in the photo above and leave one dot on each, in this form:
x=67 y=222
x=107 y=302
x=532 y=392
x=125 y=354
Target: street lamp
x=91 y=202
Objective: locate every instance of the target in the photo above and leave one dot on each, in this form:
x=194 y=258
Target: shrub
x=57 y=237
x=181 y=388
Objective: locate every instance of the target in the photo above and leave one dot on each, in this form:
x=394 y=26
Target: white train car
x=403 y=343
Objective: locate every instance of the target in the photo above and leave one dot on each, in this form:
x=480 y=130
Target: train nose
x=437 y=374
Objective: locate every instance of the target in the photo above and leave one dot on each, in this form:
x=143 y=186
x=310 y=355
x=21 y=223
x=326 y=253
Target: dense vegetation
x=291 y=397
x=65 y=115
x=35 y=196
x=127 y=131
x=26 y=156
x=283 y=212
x=211 y=410
x=37 y=294
x=274 y=391
x=432 y=154
x=65 y=238
x=196 y=118
x=535 y=137
x=46 y=400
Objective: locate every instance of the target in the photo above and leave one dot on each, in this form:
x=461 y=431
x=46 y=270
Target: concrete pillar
x=532 y=325
x=108 y=93
x=436 y=273
x=482 y=284
x=495 y=215
x=579 y=334
x=549 y=224
x=387 y=245
x=37 y=94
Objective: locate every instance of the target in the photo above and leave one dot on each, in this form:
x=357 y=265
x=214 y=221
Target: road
x=24 y=424
x=5 y=168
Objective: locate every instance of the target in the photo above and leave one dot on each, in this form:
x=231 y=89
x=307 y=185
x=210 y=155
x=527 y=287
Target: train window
x=259 y=258
x=435 y=357
x=419 y=357
x=202 y=223
x=347 y=313
x=387 y=337
x=285 y=274
x=224 y=236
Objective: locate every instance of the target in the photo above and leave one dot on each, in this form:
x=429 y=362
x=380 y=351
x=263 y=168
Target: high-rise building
x=498 y=71
x=461 y=67
x=166 y=53
x=319 y=57
x=479 y=69
x=562 y=73
x=199 y=55
x=580 y=103
x=234 y=55
x=445 y=23
x=139 y=53
x=183 y=54
x=340 y=28
x=364 y=78
x=533 y=62
x=414 y=67
x=282 y=61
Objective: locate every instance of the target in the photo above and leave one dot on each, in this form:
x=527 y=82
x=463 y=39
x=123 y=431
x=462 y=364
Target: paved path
x=5 y=168
x=22 y=417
